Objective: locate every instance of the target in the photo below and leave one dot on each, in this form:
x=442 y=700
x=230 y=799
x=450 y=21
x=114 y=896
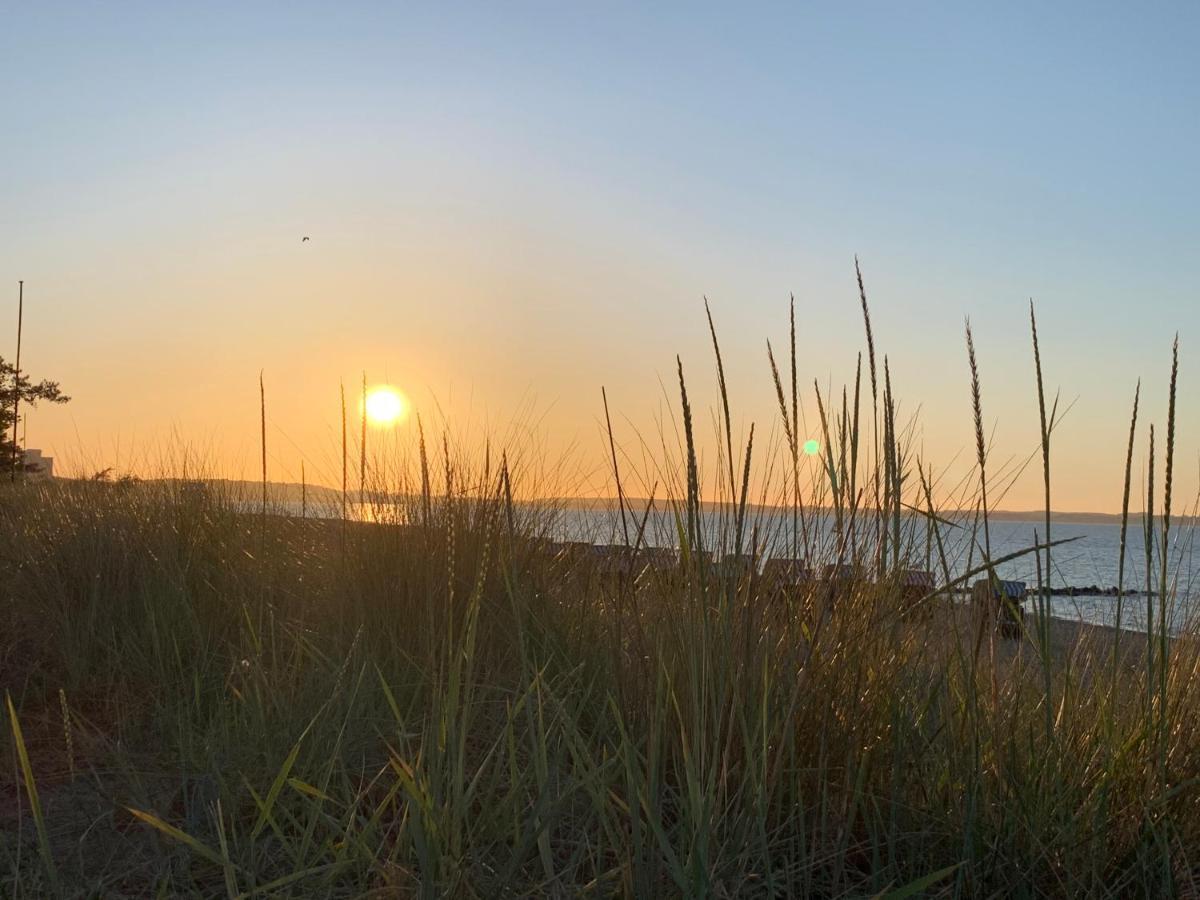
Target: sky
x=512 y=205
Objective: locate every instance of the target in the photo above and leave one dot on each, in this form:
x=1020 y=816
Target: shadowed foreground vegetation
x=203 y=700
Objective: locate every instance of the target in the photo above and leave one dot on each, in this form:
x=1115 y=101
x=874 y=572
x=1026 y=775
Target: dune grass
x=208 y=701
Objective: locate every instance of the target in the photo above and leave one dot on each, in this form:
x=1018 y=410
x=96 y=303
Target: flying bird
x=303 y=239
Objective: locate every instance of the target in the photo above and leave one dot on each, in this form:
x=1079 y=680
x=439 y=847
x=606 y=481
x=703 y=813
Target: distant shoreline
x=995 y=515
x=320 y=493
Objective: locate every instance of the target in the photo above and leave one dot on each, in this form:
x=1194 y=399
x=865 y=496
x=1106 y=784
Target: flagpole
x=17 y=378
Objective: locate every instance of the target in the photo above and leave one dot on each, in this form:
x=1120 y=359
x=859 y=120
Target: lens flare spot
x=812 y=447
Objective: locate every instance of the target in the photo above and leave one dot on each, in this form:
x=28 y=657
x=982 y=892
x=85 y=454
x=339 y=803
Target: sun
x=386 y=405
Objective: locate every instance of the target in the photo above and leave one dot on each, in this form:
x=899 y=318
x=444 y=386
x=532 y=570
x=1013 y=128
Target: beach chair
x=1003 y=602
x=613 y=562
x=840 y=578
x=657 y=563
x=737 y=568
x=913 y=586
x=785 y=576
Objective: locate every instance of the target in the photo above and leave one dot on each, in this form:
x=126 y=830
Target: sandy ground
x=1081 y=647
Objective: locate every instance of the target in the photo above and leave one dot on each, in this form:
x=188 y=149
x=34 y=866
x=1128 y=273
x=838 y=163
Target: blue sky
x=529 y=200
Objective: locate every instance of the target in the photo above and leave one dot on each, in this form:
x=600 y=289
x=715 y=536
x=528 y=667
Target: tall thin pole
x=262 y=400
x=17 y=378
x=343 y=391
x=616 y=469
x=362 y=460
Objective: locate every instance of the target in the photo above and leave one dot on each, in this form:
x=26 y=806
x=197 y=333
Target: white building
x=42 y=466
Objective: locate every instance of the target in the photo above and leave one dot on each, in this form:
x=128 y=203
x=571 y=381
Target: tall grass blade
x=196 y=846
x=1125 y=525
x=31 y=791
x=612 y=446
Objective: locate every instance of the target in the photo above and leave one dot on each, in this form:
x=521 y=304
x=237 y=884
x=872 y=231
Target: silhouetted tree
x=31 y=394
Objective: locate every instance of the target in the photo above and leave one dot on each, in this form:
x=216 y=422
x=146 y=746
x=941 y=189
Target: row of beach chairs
x=618 y=560
x=1002 y=599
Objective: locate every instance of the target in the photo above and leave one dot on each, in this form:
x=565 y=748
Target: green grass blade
x=196 y=846
x=913 y=888
x=273 y=794
x=31 y=791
